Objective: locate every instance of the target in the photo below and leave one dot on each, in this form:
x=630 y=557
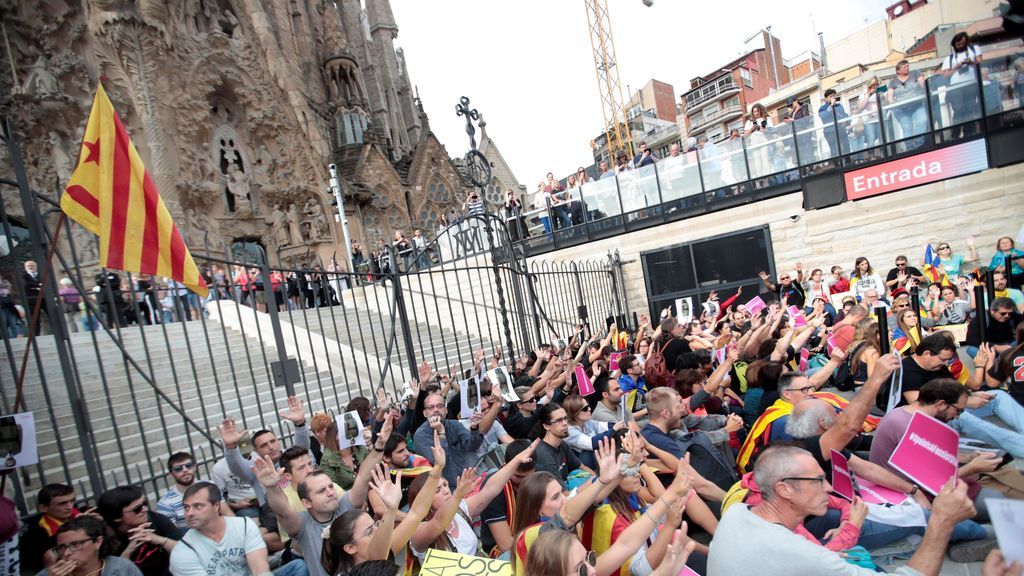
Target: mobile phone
x=1007 y=458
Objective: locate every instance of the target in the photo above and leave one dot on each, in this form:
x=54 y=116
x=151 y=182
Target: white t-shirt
x=197 y=555
x=953 y=61
x=236 y=488
x=749 y=125
x=467 y=541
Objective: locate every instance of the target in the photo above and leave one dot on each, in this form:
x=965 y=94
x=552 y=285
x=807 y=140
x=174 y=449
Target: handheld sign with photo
x=720 y=354
x=469 y=396
x=927 y=452
x=755 y=305
x=831 y=343
x=837 y=299
x=18 y=441
x=499 y=377
x=613 y=360
x=684 y=310
x=895 y=388
x=350 y=430
x=583 y=380
x=842 y=476
x=1008 y=520
x=798 y=316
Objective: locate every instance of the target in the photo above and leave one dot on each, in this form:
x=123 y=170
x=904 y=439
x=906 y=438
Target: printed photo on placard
x=469 y=394
x=499 y=377
x=350 y=430
x=684 y=310
x=895 y=388
x=18 y=441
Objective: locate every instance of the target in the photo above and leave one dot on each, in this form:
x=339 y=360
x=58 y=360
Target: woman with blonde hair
x=585 y=433
x=867 y=113
x=864 y=351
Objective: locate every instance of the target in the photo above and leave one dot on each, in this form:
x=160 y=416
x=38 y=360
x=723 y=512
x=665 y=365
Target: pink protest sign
x=583 y=380
x=874 y=494
x=805 y=356
x=687 y=571
x=720 y=355
x=755 y=305
x=927 y=452
x=842 y=478
x=613 y=360
x=831 y=343
x=797 y=314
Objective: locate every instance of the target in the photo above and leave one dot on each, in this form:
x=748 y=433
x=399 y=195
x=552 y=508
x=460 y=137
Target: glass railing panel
x=1002 y=84
x=722 y=164
x=639 y=188
x=770 y=150
x=811 y=141
x=601 y=199
x=904 y=107
x=955 y=98
x=679 y=177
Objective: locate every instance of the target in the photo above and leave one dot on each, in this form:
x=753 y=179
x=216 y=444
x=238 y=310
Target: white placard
x=1008 y=520
x=895 y=388
x=18 y=441
x=499 y=377
x=469 y=395
x=684 y=310
x=350 y=430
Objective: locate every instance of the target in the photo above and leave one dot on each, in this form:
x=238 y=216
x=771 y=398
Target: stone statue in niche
x=279 y=226
x=315 y=221
x=62 y=163
x=294 y=227
x=40 y=81
x=238 y=187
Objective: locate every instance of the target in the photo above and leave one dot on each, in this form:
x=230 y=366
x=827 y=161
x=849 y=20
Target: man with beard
x=182 y=467
x=215 y=545
x=554 y=454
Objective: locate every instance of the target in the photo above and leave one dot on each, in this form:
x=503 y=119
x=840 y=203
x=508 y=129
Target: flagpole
x=34 y=319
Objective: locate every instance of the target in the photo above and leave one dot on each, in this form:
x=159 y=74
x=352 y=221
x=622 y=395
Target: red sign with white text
x=916 y=170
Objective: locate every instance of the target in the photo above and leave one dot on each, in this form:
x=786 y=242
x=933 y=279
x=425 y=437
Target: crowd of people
x=704 y=441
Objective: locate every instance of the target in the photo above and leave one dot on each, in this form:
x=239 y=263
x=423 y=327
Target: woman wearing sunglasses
x=81 y=550
x=136 y=533
x=951 y=262
x=585 y=433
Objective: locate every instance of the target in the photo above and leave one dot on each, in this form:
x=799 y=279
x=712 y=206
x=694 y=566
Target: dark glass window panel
x=670 y=270
x=735 y=258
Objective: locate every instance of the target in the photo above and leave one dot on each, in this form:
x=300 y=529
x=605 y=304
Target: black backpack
x=843 y=378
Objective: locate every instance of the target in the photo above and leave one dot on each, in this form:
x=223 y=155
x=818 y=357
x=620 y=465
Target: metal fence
x=141 y=368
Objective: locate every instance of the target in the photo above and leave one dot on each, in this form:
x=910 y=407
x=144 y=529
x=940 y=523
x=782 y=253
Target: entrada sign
x=916 y=170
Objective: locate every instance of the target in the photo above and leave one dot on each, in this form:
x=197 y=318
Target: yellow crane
x=616 y=128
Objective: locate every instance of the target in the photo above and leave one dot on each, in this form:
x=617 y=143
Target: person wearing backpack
x=667 y=347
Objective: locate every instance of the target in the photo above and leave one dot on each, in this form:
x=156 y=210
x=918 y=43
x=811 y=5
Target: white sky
x=527 y=64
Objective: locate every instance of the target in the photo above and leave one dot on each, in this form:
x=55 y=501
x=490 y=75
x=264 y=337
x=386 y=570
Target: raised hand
x=266 y=473
x=414 y=387
x=526 y=456
x=440 y=456
x=467 y=483
x=389 y=491
x=762 y=275
x=230 y=433
x=296 y=412
x=610 y=467
x=682 y=483
x=677 y=554
x=733 y=423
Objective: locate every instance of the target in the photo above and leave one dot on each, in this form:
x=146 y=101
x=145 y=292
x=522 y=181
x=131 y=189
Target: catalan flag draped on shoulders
x=761 y=432
x=111 y=194
x=603 y=526
x=932 y=269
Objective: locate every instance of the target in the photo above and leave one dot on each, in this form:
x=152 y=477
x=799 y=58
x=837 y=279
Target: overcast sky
x=527 y=64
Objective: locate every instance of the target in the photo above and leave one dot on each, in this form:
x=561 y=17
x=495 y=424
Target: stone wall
x=986 y=205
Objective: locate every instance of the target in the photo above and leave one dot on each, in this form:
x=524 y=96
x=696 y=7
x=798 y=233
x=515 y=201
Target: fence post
x=55 y=316
x=284 y=369
x=530 y=278
x=496 y=269
x=403 y=314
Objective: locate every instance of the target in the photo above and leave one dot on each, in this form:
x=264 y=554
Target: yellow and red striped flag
x=111 y=194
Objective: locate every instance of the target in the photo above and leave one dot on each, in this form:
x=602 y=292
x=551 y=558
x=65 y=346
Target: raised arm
x=230 y=435
x=421 y=505
x=288 y=519
x=851 y=421
x=819 y=378
x=296 y=414
x=610 y=473
x=390 y=492
x=430 y=530
x=496 y=483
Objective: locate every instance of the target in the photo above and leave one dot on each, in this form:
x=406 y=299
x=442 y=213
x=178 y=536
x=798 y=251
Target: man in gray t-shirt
x=215 y=545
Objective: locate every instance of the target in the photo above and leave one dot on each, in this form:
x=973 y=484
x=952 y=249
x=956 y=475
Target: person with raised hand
x=421 y=504
x=449 y=524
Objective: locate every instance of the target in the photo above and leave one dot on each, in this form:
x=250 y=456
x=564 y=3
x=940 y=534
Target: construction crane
x=616 y=127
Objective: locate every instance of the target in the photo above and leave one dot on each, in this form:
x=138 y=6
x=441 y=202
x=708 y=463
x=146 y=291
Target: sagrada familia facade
x=237 y=108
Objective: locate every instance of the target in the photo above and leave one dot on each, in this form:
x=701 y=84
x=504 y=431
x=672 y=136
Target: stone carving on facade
x=315 y=223
x=40 y=81
x=294 y=226
x=279 y=226
x=241 y=192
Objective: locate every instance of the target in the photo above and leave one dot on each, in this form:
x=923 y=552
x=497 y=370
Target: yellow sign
x=441 y=563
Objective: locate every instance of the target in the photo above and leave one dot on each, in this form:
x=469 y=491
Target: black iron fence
x=125 y=369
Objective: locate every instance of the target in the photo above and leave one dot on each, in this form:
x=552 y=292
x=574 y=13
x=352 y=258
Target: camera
x=333 y=169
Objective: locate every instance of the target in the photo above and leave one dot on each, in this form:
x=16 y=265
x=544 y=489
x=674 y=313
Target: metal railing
x=777 y=160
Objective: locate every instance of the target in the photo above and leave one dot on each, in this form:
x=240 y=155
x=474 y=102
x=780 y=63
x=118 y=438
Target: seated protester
x=127 y=514
x=238 y=494
x=1007 y=370
x=695 y=337
x=560 y=552
x=1005 y=248
x=897 y=277
x=950 y=263
x=1000 y=325
x=843 y=331
x=838 y=282
x=339 y=464
x=448 y=524
x=702 y=393
x=848 y=303
x=584 y=431
x=666 y=409
x=790 y=293
x=522 y=414
x=604 y=525
x=56 y=505
x=944 y=399
x=671 y=342
x=320 y=501
x=907 y=334
x=215 y=544
x=182 y=467
x=1002 y=290
x=458 y=442
x=950 y=309
x=354 y=537
x=633 y=386
x=865 y=278
x=900 y=302
x=542 y=504
x=487 y=419
x=610 y=407
x=496 y=517
x=265 y=444
x=793 y=487
x=82 y=550
x=318 y=429
x=861 y=356
x=871 y=300
x=554 y=454
x=398 y=459
x=296 y=464
x=929 y=362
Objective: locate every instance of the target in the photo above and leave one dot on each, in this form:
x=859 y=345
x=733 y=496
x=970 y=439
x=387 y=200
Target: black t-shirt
x=813 y=445
x=34 y=543
x=995 y=332
x=495 y=511
x=559 y=461
x=673 y=350
x=1014 y=376
x=914 y=377
x=909 y=271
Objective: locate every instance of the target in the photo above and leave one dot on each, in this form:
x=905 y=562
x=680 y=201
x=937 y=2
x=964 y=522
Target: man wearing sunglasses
x=182 y=467
x=1000 y=326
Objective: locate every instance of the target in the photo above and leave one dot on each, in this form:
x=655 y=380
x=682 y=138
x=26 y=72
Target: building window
x=745 y=74
x=734 y=101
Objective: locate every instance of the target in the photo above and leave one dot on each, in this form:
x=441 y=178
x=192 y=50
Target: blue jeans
x=874 y=535
x=546 y=222
x=912 y=122
x=294 y=568
x=972 y=423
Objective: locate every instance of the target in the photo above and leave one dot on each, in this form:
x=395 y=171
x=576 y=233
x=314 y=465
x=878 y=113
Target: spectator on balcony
x=622 y=164
x=605 y=171
x=711 y=163
x=865 y=278
x=1018 y=80
x=867 y=115
x=832 y=114
x=797 y=115
x=474 y=205
x=557 y=197
x=756 y=130
x=582 y=177
x=905 y=95
x=514 y=216
x=958 y=69
x=541 y=202
x=644 y=157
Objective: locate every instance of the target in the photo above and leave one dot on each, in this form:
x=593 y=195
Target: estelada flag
x=111 y=194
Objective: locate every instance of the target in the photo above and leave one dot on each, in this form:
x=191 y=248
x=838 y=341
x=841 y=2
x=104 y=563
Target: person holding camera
x=514 y=216
x=832 y=112
x=756 y=130
x=473 y=206
x=958 y=69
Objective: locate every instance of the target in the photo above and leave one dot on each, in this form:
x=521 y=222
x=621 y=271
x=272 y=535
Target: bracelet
x=603 y=483
x=301 y=424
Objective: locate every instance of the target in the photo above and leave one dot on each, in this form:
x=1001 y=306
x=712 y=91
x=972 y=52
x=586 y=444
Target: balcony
x=723 y=115
x=698 y=97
